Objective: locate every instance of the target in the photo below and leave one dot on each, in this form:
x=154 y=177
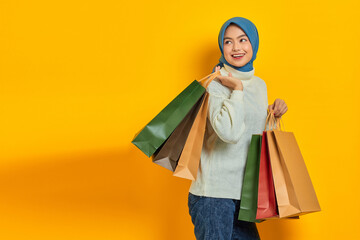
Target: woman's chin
x=236 y=63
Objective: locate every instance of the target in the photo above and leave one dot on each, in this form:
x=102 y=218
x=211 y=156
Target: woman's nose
x=236 y=46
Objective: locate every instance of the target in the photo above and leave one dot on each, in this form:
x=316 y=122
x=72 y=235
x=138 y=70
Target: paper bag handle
x=274 y=122
x=208 y=79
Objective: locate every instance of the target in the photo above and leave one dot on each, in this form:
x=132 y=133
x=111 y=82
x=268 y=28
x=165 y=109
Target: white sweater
x=233 y=116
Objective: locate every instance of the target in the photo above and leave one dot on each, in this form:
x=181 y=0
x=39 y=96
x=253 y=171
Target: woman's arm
x=226 y=112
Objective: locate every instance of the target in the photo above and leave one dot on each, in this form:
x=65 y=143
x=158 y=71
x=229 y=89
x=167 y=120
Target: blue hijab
x=251 y=31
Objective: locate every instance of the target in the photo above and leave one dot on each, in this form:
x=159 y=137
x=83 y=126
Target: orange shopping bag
x=294 y=191
x=189 y=161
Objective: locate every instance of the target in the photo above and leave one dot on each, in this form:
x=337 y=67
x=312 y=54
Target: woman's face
x=236 y=47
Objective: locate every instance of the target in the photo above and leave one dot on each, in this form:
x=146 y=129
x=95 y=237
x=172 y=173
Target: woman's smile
x=238 y=56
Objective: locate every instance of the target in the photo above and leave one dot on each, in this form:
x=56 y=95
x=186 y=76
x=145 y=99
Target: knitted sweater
x=233 y=116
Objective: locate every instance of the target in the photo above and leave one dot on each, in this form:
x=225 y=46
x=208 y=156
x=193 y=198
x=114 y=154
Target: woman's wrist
x=238 y=87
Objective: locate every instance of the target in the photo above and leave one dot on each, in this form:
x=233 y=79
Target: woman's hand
x=230 y=81
x=279 y=107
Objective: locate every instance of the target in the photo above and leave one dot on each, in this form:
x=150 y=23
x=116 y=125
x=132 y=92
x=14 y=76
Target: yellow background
x=79 y=78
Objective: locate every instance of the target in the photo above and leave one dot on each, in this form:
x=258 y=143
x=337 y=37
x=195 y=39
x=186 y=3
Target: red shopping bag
x=266 y=192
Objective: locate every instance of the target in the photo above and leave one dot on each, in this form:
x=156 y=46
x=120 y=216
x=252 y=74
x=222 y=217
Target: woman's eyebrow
x=243 y=35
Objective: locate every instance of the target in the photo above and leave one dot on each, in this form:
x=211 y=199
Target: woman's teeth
x=238 y=56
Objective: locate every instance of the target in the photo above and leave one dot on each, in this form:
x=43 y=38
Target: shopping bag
x=155 y=133
x=295 y=169
x=189 y=161
x=294 y=192
x=266 y=194
x=286 y=200
x=169 y=153
x=249 y=192
x=266 y=205
x=287 y=203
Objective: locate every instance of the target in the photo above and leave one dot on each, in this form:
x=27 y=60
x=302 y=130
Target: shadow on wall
x=121 y=189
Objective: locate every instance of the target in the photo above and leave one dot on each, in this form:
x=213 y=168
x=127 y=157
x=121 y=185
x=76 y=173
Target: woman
x=237 y=109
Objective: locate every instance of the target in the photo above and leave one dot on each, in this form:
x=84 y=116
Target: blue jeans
x=217 y=219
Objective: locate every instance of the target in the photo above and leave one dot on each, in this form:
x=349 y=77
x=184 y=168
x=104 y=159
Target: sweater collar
x=247 y=76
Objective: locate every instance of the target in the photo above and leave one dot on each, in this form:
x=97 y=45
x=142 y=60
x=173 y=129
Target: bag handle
x=279 y=121
x=269 y=120
x=273 y=122
x=208 y=79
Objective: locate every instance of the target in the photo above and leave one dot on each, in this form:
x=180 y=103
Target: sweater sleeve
x=226 y=112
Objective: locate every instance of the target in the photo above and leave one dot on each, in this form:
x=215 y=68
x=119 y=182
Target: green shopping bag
x=169 y=153
x=249 y=192
x=157 y=131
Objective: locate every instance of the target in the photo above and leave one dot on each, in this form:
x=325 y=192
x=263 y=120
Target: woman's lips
x=235 y=56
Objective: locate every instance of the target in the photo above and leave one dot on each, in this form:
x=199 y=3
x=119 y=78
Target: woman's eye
x=226 y=42
x=242 y=39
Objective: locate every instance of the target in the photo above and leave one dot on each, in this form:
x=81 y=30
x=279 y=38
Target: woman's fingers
x=284 y=111
x=277 y=106
x=271 y=107
x=226 y=81
x=276 y=110
x=280 y=107
x=223 y=80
